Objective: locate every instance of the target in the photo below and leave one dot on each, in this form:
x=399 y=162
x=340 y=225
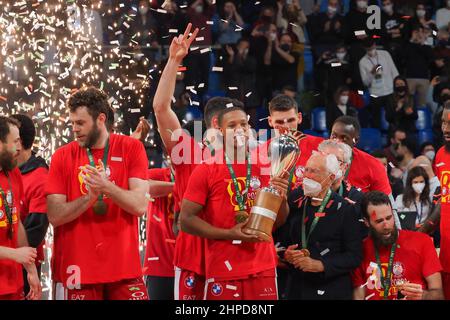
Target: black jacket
x=336 y=241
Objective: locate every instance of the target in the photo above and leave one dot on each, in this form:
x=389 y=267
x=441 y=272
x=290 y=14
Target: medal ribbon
x=305 y=238
x=8 y=206
x=239 y=196
x=386 y=282
x=105 y=160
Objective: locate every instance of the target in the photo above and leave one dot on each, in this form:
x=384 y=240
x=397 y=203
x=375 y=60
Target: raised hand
x=179 y=47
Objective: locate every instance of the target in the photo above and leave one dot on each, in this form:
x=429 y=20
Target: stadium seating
x=425 y=136
x=370 y=139
x=423 y=121
x=319 y=120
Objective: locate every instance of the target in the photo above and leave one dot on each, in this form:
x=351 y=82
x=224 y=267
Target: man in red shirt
x=186 y=154
x=397 y=264
x=442 y=162
x=34 y=170
x=158 y=263
x=14 y=248
x=96 y=190
x=238 y=266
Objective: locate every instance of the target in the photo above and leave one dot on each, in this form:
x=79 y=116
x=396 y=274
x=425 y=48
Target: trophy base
x=260 y=234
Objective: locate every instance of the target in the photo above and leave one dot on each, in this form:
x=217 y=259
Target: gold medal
x=100 y=207
x=305 y=252
x=241 y=216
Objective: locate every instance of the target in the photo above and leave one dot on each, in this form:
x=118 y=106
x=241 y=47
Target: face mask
x=143 y=10
x=444 y=98
x=388 y=8
x=343 y=100
x=199 y=9
x=420 y=13
x=285 y=47
x=338 y=175
x=311 y=188
x=418 y=187
x=401 y=90
x=341 y=55
x=361 y=4
x=430 y=155
x=332 y=10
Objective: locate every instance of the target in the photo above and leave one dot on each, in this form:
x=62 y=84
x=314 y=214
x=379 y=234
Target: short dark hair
x=27 y=130
x=95 y=100
x=410 y=144
x=349 y=121
x=217 y=104
x=369 y=42
x=375 y=198
x=228 y=110
x=424 y=145
x=5 y=122
x=282 y=102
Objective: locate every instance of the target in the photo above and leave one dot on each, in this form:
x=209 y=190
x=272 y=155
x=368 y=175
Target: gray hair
x=333 y=144
x=331 y=162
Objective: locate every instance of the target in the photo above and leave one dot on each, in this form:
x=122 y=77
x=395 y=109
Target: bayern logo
x=216 y=289
x=189 y=282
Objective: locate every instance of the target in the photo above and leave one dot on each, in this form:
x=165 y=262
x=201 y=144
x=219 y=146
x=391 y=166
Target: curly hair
x=95 y=100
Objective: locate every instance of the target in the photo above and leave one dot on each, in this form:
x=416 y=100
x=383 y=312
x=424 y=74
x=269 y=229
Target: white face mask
x=338 y=175
x=430 y=155
x=343 y=100
x=388 y=8
x=143 y=10
x=332 y=10
x=418 y=187
x=311 y=188
x=420 y=13
x=361 y=4
x=341 y=55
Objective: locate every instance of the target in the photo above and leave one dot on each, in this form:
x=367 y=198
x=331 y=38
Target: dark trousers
x=160 y=288
x=374 y=109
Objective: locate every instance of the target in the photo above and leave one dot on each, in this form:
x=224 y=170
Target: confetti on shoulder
x=440 y=164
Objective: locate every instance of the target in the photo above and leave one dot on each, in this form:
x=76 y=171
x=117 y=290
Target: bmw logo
x=189 y=282
x=217 y=289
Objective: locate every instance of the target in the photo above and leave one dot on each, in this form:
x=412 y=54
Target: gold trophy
x=284 y=152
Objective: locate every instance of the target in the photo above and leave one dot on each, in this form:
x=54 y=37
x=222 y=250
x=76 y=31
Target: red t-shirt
x=11 y=278
x=415 y=259
x=189 y=249
x=104 y=247
x=211 y=186
x=34 y=199
x=160 y=238
x=368 y=174
x=443 y=167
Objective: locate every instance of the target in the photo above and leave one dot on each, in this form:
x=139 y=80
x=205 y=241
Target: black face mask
x=285 y=47
x=401 y=90
x=444 y=98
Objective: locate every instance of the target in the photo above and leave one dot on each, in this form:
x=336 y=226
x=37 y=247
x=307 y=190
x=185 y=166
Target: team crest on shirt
x=445 y=184
x=83 y=188
x=216 y=289
x=250 y=195
x=189 y=282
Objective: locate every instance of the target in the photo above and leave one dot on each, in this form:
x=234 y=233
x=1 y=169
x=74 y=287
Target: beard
x=7 y=161
x=92 y=137
x=379 y=240
x=447 y=145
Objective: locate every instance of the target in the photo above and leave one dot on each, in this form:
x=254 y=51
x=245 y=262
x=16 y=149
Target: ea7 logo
x=374 y=21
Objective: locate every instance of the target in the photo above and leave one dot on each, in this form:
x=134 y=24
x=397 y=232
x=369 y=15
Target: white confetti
x=217 y=69
x=153 y=259
x=231 y=287
x=237 y=242
x=320 y=292
x=440 y=164
x=370 y=296
x=228 y=265
x=324 y=252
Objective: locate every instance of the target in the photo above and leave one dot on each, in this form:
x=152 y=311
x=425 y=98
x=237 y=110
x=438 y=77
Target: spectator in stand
x=175 y=18
x=283 y=61
x=198 y=64
x=406 y=152
x=417 y=59
x=400 y=110
x=425 y=163
x=230 y=24
x=440 y=66
x=392 y=26
x=438 y=94
x=443 y=16
x=240 y=77
x=291 y=19
x=340 y=106
x=326 y=29
x=396 y=136
x=378 y=72
x=266 y=19
x=143 y=26
x=427 y=149
x=396 y=183
x=356 y=20
x=422 y=17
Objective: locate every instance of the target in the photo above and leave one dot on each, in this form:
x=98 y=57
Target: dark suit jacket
x=336 y=241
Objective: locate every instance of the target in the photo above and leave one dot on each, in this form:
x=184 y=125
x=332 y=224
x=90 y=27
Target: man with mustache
x=14 y=249
x=397 y=264
x=442 y=162
x=96 y=190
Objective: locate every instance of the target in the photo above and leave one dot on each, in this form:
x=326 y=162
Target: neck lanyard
x=419 y=216
x=240 y=196
x=370 y=59
x=386 y=282
x=105 y=160
x=7 y=200
x=305 y=238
